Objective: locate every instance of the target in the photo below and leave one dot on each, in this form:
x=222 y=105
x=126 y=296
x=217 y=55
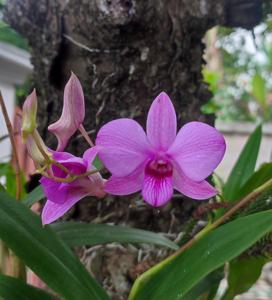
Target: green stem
x=244 y=201
x=19 y=270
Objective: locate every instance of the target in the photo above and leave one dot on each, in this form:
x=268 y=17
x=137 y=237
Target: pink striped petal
x=196 y=190
x=127 y=185
x=52 y=211
x=122 y=146
x=73 y=113
x=161 y=124
x=53 y=190
x=89 y=155
x=198 y=149
x=157 y=191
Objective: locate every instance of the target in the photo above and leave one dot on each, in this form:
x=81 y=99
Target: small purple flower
x=62 y=196
x=73 y=113
x=162 y=159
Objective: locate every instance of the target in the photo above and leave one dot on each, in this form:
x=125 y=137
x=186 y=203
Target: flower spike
x=73 y=112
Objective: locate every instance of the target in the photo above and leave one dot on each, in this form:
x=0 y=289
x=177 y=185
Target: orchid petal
x=196 y=190
x=198 y=149
x=127 y=185
x=54 y=191
x=73 y=113
x=161 y=123
x=52 y=210
x=122 y=146
x=89 y=156
x=157 y=191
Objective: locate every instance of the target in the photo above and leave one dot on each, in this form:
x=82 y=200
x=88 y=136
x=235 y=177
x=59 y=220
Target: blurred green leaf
x=242 y=274
x=15 y=289
x=98 y=163
x=43 y=251
x=210 y=108
x=176 y=275
x=10 y=36
x=34 y=196
x=7 y=171
x=244 y=166
x=79 y=234
x=257 y=179
x=212 y=78
x=259 y=89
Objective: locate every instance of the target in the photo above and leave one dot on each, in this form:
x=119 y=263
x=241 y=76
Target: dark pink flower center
x=159 y=168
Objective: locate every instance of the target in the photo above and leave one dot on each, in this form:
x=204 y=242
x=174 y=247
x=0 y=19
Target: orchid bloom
x=162 y=159
x=61 y=196
x=73 y=113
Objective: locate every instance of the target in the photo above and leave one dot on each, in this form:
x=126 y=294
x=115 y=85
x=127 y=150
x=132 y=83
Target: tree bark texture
x=125 y=52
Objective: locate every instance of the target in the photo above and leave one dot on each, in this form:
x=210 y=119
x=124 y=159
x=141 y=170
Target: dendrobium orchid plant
x=155 y=162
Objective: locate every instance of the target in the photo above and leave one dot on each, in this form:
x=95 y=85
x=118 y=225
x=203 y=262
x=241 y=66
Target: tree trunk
x=125 y=52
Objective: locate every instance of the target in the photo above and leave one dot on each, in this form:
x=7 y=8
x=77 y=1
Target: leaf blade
x=34 y=196
x=79 y=234
x=175 y=276
x=14 y=289
x=244 y=166
x=23 y=233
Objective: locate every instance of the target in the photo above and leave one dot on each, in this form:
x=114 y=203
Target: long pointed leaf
x=15 y=289
x=35 y=196
x=244 y=166
x=79 y=234
x=175 y=276
x=45 y=253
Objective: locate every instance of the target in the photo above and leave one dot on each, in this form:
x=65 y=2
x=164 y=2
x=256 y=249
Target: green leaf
x=34 y=196
x=259 y=89
x=15 y=289
x=79 y=234
x=8 y=172
x=43 y=251
x=176 y=275
x=257 y=179
x=242 y=274
x=244 y=167
x=206 y=288
x=212 y=78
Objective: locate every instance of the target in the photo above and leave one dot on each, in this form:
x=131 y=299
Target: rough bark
x=124 y=52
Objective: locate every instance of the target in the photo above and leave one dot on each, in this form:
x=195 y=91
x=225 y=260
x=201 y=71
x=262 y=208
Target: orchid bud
x=32 y=141
x=73 y=113
x=29 y=123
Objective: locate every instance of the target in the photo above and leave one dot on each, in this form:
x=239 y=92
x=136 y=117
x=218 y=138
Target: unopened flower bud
x=37 y=149
x=29 y=123
x=73 y=113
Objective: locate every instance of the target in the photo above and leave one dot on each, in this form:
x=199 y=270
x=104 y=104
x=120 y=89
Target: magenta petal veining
x=62 y=196
x=161 y=160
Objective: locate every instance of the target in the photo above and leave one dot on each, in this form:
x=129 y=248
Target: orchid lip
x=159 y=167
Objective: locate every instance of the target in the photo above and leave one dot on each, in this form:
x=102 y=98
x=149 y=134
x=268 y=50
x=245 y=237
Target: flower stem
x=36 y=138
x=19 y=270
x=15 y=153
x=72 y=177
x=85 y=135
x=60 y=166
x=244 y=201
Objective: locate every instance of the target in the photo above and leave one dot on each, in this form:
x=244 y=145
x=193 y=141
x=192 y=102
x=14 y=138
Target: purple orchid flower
x=62 y=196
x=73 y=113
x=160 y=160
